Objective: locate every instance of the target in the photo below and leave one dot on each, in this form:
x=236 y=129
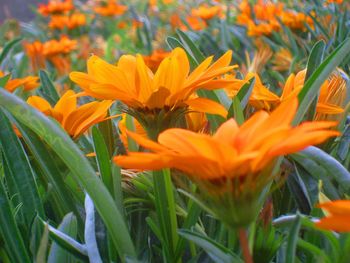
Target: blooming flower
x=168 y=90
x=75 y=120
x=206 y=12
x=55 y=7
x=236 y=162
x=29 y=83
x=153 y=60
x=111 y=8
x=73 y=21
x=338 y=218
x=53 y=50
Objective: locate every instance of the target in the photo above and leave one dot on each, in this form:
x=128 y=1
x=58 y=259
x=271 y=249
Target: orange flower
x=75 y=120
x=153 y=60
x=29 y=83
x=52 y=50
x=55 y=7
x=73 y=21
x=338 y=218
x=111 y=8
x=206 y=12
x=196 y=23
x=236 y=162
x=167 y=91
x=261 y=97
x=35 y=52
x=332 y=93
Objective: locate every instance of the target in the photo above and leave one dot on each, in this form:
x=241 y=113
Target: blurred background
x=19 y=9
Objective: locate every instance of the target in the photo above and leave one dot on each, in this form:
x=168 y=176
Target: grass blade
x=81 y=170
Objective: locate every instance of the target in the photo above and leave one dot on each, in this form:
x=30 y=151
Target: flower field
x=176 y=131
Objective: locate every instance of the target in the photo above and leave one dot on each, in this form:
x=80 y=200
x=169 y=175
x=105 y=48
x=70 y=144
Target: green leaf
x=314 y=60
x=236 y=111
x=165 y=208
x=330 y=164
x=21 y=170
x=48 y=89
x=90 y=236
x=190 y=47
x=7 y=48
x=57 y=254
x=299 y=192
x=41 y=255
x=4 y=80
x=80 y=168
x=9 y=230
x=313 y=84
x=67 y=242
x=215 y=250
x=49 y=166
x=244 y=93
x=292 y=240
x=103 y=160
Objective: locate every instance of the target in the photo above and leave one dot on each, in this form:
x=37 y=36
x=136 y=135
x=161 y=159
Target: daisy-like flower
x=155 y=99
x=233 y=167
x=63 y=21
x=110 y=8
x=331 y=98
x=206 y=12
x=74 y=119
x=28 y=83
x=53 y=50
x=338 y=217
x=55 y=7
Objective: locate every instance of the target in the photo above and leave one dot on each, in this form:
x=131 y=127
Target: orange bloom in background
x=35 y=52
x=262 y=55
x=196 y=23
x=261 y=97
x=153 y=60
x=73 y=21
x=169 y=88
x=29 y=83
x=206 y=12
x=338 y=218
x=232 y=167
x=74 y=120
x=54 y=51
x=111 y=8
x=332 y=93
x=265 y=21
x=55 y=7
x=282 y=60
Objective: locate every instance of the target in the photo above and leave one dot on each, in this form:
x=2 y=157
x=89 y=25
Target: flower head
x=164 y=92
x=338 y=218
x=55 y=7
x=29 y=83
x=110 y=8
x=75 y=120
x=63 y=21
x=237 y=161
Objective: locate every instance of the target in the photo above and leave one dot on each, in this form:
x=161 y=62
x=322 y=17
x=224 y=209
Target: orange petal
x=207 y=106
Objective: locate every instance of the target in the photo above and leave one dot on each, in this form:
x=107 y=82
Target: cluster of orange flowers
x=110 y=8
x=62 y=14
x=55 y=51
x=263 y=18
x=198 y=19
x=235 y=160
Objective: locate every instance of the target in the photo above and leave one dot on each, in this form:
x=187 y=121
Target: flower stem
x=243 y=240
